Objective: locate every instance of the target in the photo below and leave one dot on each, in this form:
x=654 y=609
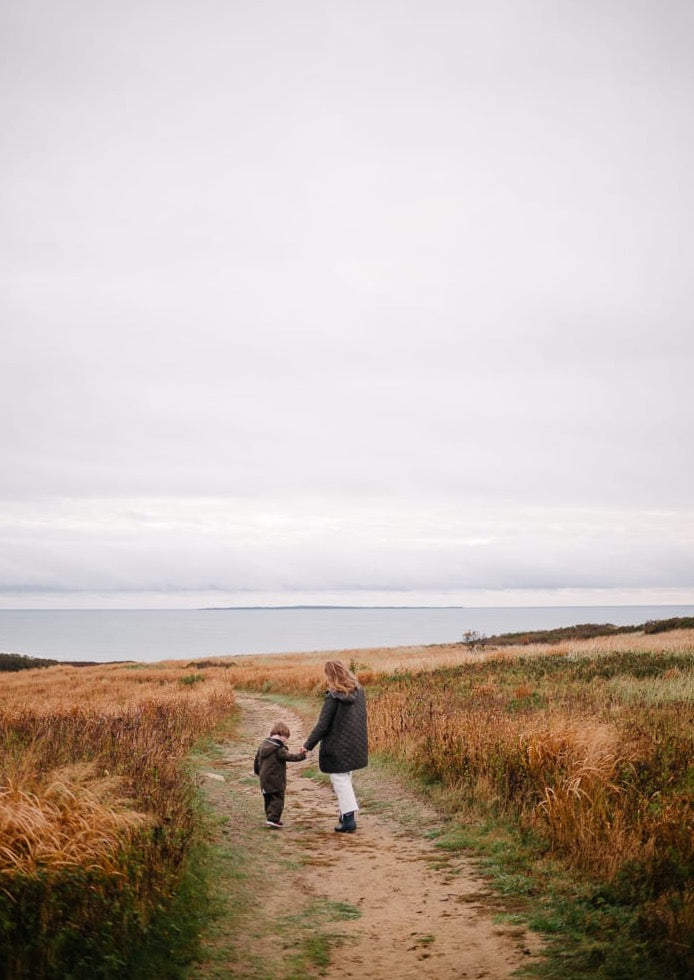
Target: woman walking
x=342 y=733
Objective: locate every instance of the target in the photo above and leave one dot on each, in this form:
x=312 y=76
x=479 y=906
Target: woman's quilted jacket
x=342 y=732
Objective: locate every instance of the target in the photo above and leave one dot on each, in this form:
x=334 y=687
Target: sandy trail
x=390 y=902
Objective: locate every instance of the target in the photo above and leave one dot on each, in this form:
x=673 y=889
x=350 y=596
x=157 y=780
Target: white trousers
x=342 y=785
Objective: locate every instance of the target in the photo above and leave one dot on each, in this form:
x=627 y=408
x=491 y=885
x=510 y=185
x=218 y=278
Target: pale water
x=154 y=634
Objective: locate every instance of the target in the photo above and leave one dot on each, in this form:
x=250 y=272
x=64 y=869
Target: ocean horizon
x=151 y=635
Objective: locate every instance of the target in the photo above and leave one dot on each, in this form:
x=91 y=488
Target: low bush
x=18 y=661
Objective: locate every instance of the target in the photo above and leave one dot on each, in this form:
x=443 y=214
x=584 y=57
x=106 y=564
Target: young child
x=271 y=765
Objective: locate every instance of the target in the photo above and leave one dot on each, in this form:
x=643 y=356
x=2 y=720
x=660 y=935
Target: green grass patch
x=189 y=680
x=341 y=911
x=313 y=957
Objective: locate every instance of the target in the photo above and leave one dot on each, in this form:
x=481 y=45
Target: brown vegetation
x=96 y=809
x=586 y=745
x=591 y=755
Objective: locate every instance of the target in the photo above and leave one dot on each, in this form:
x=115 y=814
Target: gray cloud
x=331 y=262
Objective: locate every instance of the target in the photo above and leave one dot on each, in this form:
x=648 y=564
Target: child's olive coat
x=271 y=765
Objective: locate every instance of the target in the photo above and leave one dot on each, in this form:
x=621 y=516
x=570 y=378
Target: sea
x=150 y=635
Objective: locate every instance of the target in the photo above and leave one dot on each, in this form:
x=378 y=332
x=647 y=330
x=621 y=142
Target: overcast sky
x=346 y=299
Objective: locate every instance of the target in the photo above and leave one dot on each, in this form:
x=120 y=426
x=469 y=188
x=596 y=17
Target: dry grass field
x=96 y=810
x=585 y=746
x=303 y=672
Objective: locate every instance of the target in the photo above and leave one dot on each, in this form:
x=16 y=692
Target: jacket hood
x=269 y=746
x=341 y=696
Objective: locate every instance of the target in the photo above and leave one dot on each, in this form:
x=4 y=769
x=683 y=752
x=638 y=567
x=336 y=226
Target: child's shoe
x=273 y=823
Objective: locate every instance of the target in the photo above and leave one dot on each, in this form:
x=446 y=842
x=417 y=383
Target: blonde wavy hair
x=340 y=678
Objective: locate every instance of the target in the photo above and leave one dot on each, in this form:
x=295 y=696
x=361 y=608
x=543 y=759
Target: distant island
x=266 y=608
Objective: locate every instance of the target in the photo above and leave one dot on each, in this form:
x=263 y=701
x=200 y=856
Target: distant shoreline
x=287 y=608
x=592 y=605
x=150 y=635
x=251 y=608
x=471 y=640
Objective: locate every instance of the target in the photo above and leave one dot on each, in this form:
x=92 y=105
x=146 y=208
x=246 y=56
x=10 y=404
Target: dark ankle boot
x=347 y=824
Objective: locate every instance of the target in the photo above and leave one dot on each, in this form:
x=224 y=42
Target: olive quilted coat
x=270 y=764
x=342 y=732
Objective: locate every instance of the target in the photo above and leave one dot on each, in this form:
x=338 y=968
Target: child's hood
x=269 y=746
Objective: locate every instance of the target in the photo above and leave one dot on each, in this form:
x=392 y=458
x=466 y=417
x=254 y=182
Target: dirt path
x=381 y=903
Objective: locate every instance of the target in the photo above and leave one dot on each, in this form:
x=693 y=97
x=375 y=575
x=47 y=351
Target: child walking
x=271 y=765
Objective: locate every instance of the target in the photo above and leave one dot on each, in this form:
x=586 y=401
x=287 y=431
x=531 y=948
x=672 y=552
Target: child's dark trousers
x=274 y=804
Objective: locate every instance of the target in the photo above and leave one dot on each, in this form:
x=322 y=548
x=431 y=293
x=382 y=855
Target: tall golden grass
x=65 y=817
x=591 y=750
x=588 y=744
x=93 y=789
